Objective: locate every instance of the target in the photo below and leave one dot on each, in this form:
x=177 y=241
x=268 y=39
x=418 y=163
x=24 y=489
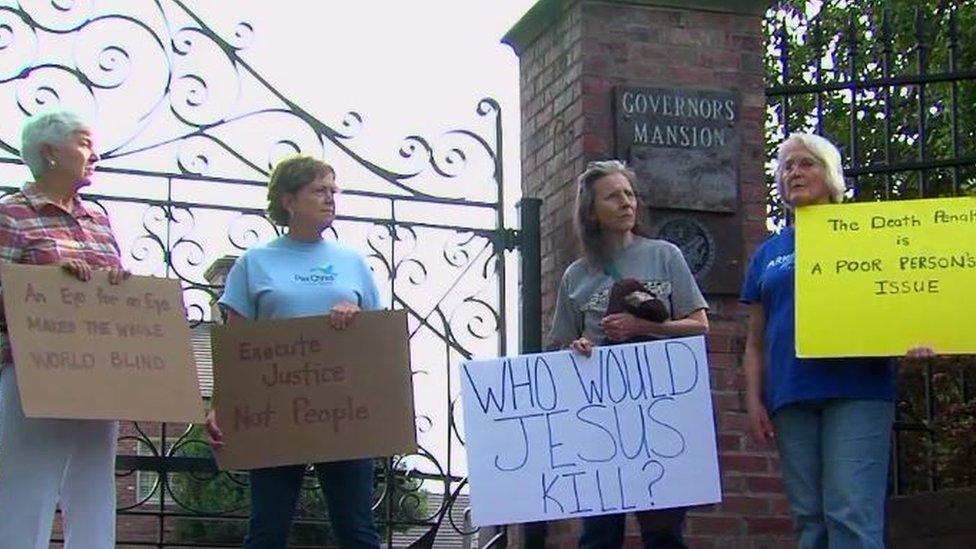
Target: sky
x=407 y=67
x=417 y=67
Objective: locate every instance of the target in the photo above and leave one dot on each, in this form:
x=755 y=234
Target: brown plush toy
x=630 y=296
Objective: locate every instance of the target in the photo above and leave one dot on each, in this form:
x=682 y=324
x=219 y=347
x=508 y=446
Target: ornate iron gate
x=183 y=123
x=895 y=87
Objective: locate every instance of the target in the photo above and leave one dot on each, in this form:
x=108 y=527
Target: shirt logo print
x=782 y=262
x=326 y=274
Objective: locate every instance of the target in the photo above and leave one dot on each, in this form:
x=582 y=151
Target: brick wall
x=133 y=527
x=552 y=150
x=578 y=51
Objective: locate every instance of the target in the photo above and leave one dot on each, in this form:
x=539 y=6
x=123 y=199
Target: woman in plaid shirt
x=49 y=462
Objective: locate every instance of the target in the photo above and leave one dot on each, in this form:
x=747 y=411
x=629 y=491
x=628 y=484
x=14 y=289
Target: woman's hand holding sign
x=342 y=315
x=78 y=268
x=215 y=438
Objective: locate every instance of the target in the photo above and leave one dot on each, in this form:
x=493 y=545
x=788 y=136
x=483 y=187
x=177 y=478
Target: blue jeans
x=659 y=530
x=348 y=490
x=834 y=454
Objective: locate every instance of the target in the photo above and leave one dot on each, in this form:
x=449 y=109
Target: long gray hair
x=589 y=233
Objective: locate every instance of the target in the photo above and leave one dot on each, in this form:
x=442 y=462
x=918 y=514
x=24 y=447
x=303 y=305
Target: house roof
x=200 y=343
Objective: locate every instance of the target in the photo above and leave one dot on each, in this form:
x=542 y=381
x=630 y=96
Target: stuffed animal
x=631 y=296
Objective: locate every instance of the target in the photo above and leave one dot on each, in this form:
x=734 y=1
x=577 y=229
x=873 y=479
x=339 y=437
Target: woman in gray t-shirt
x=606 y=221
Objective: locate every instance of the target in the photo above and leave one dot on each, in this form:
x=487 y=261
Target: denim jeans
x=834 y=454
x=348 y=490
x=659 y=530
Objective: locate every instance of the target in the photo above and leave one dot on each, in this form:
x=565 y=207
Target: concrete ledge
x=944 y=519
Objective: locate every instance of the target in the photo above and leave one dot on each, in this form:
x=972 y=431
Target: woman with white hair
x=46 y=463
x=830 y=418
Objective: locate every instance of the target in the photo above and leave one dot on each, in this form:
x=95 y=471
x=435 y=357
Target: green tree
x=939 y=398
x=826 y=46
x=878 y=128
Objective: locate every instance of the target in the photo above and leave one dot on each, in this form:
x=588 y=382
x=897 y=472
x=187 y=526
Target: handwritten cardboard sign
x=556 y=435
x=297 y=391
x=875 y=279
x=94 y=350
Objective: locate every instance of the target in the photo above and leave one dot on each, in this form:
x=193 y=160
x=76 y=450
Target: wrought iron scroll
x=894 y=86
x=183 y=121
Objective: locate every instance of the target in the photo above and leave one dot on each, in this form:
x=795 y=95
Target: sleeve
x=751 y=287
x=686 y=297
x=370 y=300
x=11 y=246
x=106 y=222
x=565 y=318
x=237 y=294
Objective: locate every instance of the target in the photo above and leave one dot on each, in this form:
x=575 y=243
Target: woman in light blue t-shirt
x=296 y=275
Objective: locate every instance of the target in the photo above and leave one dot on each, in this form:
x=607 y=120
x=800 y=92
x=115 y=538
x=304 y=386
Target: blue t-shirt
x=789 y=379
x=286 y=278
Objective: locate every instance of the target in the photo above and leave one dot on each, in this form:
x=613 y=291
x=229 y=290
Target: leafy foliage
x=827 y=65
x=881 y=79
x=228 y=495
x=940 y=398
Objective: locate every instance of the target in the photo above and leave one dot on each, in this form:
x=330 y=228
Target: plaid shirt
x=36 y=231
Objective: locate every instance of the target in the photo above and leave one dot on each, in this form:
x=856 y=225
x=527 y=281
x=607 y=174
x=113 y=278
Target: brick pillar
x=575 y=58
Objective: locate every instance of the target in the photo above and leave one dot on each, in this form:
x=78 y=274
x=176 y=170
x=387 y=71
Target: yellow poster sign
x=877 y=278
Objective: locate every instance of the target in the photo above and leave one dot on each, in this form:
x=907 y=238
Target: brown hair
x=288 y=177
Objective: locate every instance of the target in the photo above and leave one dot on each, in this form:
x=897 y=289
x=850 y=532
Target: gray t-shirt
x=585 y=289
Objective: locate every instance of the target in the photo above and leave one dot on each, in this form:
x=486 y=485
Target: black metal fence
x=893 y=84
x=183 y=122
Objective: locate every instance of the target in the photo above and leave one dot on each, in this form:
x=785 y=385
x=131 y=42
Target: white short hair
x=825 y=152
x=47 y=128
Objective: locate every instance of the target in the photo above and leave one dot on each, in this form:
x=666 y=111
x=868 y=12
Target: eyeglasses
x=804 y=162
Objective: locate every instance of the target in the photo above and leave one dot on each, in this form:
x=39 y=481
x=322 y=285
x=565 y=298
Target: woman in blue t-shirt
x=296 y=275
x=830 y=418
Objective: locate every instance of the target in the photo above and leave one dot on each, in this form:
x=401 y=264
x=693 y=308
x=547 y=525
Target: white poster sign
x=558 y=435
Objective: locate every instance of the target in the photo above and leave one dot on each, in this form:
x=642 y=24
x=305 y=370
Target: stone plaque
x=683 y=144
x=710 y=242
x=694 y=239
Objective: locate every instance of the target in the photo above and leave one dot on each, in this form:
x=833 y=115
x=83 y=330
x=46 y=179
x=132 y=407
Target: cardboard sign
x=297 y=391
x=94 y=350
x=877 y=278
x=557 y=435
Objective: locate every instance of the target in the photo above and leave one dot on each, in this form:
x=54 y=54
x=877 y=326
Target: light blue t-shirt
x=286 y=278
